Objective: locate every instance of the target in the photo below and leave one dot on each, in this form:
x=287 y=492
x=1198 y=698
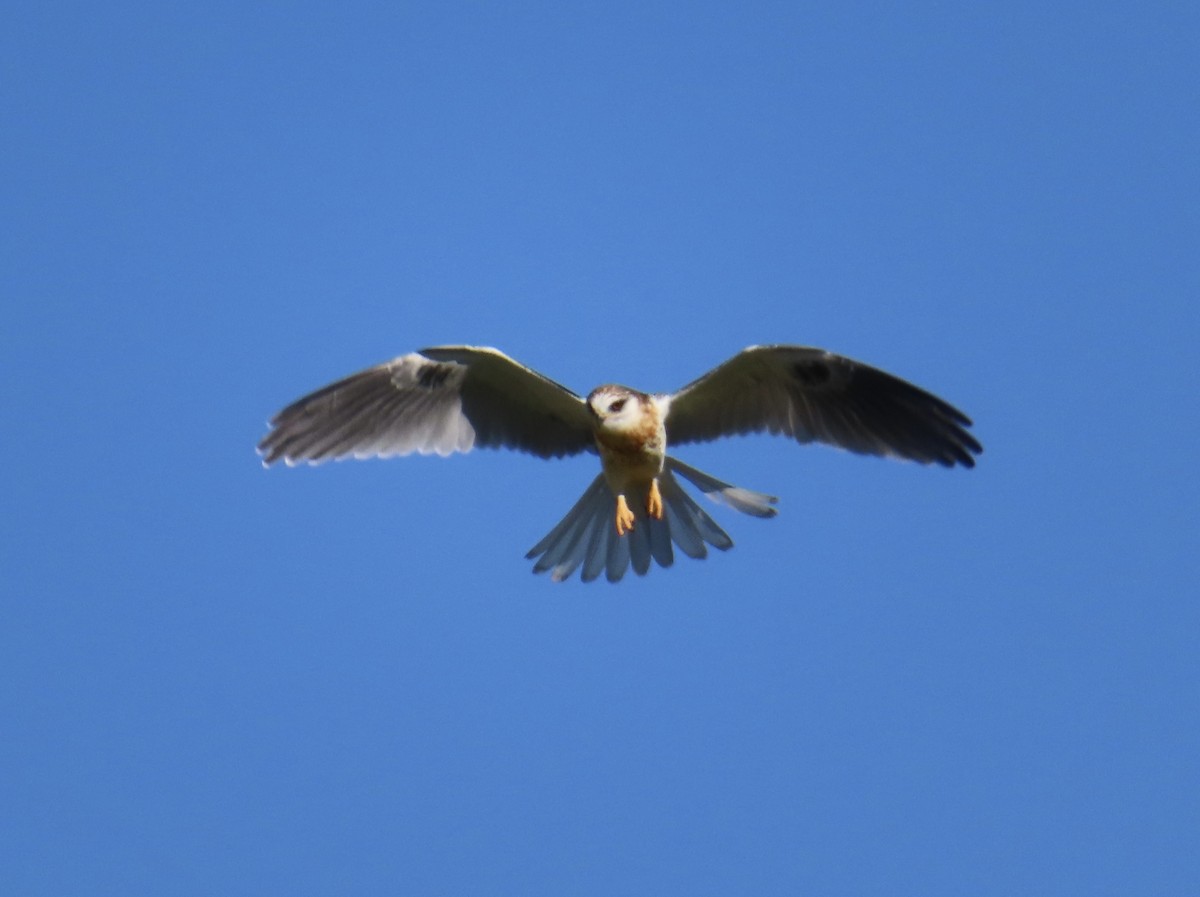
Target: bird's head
x=617 y=408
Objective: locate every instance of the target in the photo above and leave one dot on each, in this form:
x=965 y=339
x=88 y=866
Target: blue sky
x=219 y=679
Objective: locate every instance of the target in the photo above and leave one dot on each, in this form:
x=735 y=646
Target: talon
x=624 y=516
x=654 y=505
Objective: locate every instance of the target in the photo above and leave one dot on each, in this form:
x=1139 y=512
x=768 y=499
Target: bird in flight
x=455 y=398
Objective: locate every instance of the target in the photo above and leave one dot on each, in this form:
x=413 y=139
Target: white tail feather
x=756 y=504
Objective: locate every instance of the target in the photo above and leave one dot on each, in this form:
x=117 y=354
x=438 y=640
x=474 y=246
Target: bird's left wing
x=813 y=395
x=445 y=399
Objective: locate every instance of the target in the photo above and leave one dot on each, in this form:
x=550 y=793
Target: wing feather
x=441 y=400
x=816 y=396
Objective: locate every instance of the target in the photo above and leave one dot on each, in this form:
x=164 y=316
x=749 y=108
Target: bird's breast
x=632 y=456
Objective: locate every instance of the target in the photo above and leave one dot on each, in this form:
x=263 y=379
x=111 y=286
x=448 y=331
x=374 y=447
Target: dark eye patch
x=617 y=405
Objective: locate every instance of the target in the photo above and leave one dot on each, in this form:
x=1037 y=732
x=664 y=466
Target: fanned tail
x=587 y=537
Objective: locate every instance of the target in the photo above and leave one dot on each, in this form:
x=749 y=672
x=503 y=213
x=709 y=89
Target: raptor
x=451 y=399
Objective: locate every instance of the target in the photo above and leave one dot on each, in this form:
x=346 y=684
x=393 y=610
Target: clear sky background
x=217 y=679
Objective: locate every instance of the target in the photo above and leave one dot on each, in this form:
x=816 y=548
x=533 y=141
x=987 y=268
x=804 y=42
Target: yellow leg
x=654 y=505
x=624 y=516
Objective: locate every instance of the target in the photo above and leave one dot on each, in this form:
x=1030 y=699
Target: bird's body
x=452 y=398
x=631 y=440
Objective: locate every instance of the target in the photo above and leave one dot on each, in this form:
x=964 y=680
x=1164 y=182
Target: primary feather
x=441 y=400
x=813 y=395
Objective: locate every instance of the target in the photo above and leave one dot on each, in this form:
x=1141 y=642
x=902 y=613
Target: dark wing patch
x=512 y=406
x=811 y=373
x=433 y=375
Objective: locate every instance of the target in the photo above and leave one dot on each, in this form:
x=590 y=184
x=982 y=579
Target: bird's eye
x=617 y=405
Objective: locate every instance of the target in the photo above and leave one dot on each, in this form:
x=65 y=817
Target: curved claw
x=654 y=502
x=624 y=516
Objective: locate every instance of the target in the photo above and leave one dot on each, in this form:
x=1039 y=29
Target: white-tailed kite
x=454 y=398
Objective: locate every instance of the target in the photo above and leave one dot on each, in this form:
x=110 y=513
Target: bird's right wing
x=445 y=399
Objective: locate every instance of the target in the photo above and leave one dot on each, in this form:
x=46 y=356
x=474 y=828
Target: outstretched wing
x=445 y=399
x=814 y=395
